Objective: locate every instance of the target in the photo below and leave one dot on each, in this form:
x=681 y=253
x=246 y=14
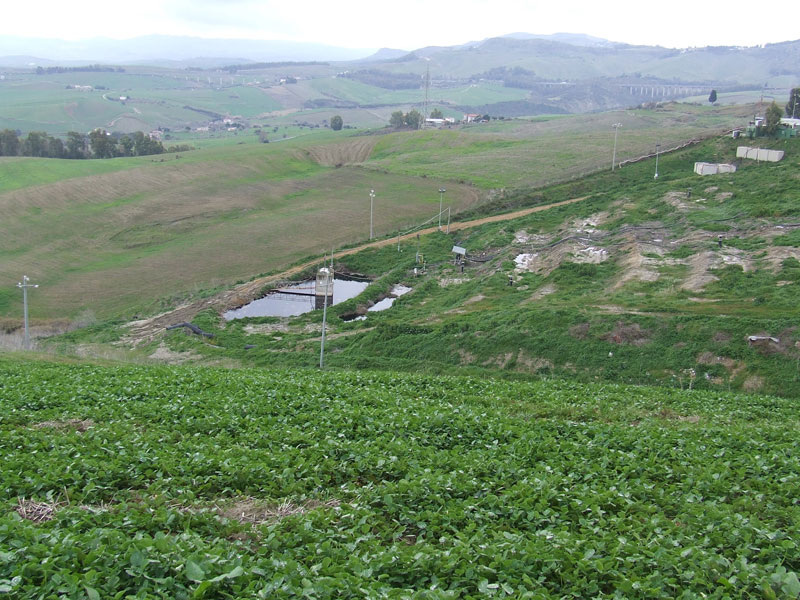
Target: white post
x=371 y=199
x=441 y=198
x=326 y=273
x=24 y=285
x=616 y=127
x=656 y=175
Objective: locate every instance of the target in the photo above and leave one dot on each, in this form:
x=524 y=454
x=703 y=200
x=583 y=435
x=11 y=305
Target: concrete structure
x=704 y=168
x=760 y=154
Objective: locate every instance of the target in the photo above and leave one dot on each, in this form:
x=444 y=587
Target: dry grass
x=256 y=512
x=79 y=425
x=38 y=512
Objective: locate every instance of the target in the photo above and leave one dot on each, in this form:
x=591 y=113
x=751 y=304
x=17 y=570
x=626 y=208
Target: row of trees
x=412 y=119
x=98 y=144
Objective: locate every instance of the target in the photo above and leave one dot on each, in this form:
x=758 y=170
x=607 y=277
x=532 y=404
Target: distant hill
x=153 y=48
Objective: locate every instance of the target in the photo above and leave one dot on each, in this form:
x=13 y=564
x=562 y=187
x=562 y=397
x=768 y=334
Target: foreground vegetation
x=146 y=482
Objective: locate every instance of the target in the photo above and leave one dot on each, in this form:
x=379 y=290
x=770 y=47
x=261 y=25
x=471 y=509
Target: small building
x=704 y=168
x=471 y=117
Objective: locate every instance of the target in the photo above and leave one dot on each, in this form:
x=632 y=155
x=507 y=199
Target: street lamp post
x=24 y=285
x=656 y=175
x=371 y=200
x=616 y=127
x=441 y=199
x=324 y=276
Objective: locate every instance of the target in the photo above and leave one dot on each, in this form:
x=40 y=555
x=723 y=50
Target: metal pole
x=371 y=199
x=448 y=219
x=616 y=127
x=24 y=285
x=324 y=319
x=441 y=198
x=656 y=175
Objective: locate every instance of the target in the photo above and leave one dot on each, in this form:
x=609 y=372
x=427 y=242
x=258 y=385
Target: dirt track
x=147 y=329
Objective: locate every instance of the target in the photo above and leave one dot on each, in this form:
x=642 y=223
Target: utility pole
x=441 y=198
x=24 y=285
x=371 y=200
x=616 y=127
x=656 y=175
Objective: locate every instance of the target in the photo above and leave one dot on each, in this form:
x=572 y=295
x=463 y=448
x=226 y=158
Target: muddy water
x=276 y=304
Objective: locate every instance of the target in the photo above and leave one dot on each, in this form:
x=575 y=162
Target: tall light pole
x=324 y=277
x=656 y=175
x=24 y=285
x=371 y=200
x=616 y=127
x=441 y=199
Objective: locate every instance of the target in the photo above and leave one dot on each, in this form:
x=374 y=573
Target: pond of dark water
x=277 y=304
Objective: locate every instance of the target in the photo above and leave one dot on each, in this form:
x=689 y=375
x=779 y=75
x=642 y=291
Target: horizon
x=358 y=25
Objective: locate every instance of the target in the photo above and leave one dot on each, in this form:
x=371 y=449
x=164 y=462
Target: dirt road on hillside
x=147 y=329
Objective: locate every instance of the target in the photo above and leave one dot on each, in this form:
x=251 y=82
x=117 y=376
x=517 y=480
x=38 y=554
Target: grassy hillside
x=196 y=483
x=116 y=236
x=628 y=284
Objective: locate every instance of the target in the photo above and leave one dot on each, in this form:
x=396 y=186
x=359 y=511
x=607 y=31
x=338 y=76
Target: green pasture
x=519 y=152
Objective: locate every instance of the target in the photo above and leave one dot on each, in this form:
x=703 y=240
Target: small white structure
x=791 y=122
x=760 y=154
x=704 y=168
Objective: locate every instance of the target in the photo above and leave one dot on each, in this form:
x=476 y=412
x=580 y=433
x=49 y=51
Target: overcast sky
x=409 y=24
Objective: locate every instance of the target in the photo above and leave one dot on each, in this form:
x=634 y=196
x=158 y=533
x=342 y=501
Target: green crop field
x=145 y=482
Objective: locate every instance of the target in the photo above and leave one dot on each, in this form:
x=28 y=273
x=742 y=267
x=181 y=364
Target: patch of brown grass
x=38 y=512
x=256 y=512
x=79 y=425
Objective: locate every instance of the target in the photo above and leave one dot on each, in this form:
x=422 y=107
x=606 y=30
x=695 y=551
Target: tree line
x=98 y=144
x=83 y=69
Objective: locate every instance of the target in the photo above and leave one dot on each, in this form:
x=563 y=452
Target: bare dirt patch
x=467 y=358
x=753 y=383
x=580 y=331
x=256 y=512
x=628 y=334
x=777 y=254
x=164 y=354
x=636 y=266
x=531 y=364
x=351 y=152
x=265 y=328
x=541 y=292
x=734 y=367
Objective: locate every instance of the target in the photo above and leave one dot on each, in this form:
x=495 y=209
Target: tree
x=413 y=119
x=712 y=97
x=76 y=145
x=336 y=123
x=793 y=106
x=126 y=145
x=397 y=119
x=774 y=114
x=102 y=144
x=35 y=144
x=9 y=143
x=437 y=114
